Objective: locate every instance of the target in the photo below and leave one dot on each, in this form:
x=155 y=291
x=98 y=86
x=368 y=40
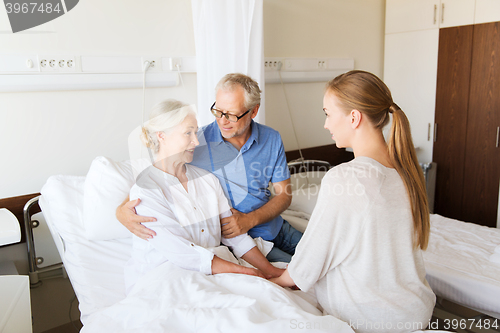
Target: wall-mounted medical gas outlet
x=57 y=64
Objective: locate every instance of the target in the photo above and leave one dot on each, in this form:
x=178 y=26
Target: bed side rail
x=33 y=261
x=298 y=166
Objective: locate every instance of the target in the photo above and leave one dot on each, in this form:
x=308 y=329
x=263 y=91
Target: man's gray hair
x=251 y=88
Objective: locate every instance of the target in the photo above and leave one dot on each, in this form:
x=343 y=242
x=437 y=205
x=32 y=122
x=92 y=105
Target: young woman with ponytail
x=362 y=248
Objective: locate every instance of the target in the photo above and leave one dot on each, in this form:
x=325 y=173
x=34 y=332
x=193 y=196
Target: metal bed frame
x=33 y=260
x=299 y=165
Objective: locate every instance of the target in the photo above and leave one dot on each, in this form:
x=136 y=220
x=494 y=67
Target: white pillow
x=108 y=183
x=302 y=180
x=304 y=199
x=62 y=206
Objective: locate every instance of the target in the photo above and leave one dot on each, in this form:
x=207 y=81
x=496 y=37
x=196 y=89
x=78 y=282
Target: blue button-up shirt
x=245 y=174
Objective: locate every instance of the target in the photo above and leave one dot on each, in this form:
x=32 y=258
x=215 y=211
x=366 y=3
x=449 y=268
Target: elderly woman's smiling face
x=178 y=144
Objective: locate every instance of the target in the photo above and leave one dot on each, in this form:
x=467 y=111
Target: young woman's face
x=181 y=140
x=338 y=122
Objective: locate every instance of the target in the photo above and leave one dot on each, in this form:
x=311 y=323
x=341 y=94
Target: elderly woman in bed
x=187 y=202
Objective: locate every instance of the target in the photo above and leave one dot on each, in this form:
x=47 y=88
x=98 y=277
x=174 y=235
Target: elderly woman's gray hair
x=164 y=116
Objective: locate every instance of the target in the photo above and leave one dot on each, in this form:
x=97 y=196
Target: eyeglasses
x=231 y=117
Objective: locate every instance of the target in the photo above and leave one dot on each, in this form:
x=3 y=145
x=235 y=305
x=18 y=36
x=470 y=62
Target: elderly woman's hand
x=223 y=266
x=254 y=272
x=284 y=280
x=125 y=213
x=274 y=273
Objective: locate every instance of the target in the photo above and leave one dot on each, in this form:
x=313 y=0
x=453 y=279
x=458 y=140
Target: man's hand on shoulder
x=126 y=214
x=236 y=224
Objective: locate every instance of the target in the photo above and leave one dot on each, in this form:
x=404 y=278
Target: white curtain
x=228 y=37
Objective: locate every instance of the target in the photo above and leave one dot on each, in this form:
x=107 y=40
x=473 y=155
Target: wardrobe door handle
x=435 y=131
x=442 y=13
x=498 y=134
x=435 y=13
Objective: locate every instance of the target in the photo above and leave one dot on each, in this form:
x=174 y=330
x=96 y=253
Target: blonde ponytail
x=404 y=158
x=366 y=93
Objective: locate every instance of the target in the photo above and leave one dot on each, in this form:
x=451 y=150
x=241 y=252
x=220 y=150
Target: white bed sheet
x=168 y=299
x=458 y=266
x=95 y=269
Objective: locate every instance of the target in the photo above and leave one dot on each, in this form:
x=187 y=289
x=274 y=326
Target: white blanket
x=458 y=266
x=170 y=299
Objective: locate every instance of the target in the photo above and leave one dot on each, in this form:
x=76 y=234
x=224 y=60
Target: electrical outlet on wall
x=175 y=64
x=272 y=64
x=154 y=63
x=322 y=64
x=184 y=64
x=57 y=64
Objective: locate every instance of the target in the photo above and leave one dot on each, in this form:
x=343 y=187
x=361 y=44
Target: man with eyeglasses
x=246 y=157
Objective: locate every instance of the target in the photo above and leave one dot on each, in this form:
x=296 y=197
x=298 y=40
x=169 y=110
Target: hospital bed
x=94 y=248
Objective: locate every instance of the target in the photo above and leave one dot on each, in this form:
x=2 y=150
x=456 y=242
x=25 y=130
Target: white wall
x=318 y=28
x=46 y=133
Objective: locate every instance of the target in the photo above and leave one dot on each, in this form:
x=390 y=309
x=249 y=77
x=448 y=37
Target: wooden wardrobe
x=467 y=123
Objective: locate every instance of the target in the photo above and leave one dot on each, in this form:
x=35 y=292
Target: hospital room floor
x=50 y=307
x=465 y=315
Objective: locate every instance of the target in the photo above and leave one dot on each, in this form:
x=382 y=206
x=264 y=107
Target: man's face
x=233 y=102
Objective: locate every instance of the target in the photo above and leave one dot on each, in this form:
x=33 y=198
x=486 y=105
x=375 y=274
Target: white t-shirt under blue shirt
x=245 y=174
